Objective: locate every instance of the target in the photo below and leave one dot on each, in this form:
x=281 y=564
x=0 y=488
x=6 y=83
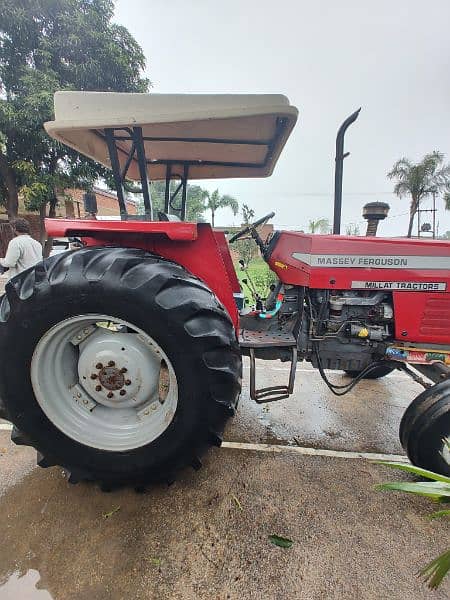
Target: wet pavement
x=206 y=536
x=366 y=419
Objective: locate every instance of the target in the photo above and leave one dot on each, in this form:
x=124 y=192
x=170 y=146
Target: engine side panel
x=422 y=317
x=416 y=272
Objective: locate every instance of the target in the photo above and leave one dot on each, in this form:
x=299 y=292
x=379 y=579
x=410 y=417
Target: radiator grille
x=436 y=317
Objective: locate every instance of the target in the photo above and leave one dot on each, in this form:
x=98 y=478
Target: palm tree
x=319 y=225
x=420 y=180
x=352 y=229
x=215 y=201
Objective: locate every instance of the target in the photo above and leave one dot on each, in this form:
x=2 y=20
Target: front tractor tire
x=425 y=428
x=117 y=364
x=375 y=373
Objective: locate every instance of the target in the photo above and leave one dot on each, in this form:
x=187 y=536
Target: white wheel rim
x=102 y=386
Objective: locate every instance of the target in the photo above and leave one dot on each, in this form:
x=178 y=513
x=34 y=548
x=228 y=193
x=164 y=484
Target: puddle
x=365 y=420
x=23 y=587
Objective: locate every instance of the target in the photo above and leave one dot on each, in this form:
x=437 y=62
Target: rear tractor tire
x=424 y=428
x=117 y=364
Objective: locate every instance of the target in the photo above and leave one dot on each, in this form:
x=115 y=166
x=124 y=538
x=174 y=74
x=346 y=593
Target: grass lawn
x=261 y=276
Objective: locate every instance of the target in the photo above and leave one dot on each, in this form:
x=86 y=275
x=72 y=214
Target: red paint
x=194 y=246
x=424 y=316
x=226 y=257
x=178 y=230
x=419 y=316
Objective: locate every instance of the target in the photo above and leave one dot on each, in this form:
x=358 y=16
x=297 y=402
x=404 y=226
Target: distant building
x=107 y=204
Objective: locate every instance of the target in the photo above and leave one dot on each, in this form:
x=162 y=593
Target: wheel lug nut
x=127 y=381
x=123 y=370
x=93 y=376
x=111 y=363
x=98 y=388
x=122 y=392
x=99 y=366
x=110 y=395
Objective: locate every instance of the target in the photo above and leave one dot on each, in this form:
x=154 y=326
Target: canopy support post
x=142 y=163
x=167 y=190
x=184 y=192
x=115 y=165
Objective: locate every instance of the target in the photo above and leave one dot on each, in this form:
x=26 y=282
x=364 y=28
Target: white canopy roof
x=217 y=135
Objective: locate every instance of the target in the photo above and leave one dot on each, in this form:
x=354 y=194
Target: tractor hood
x=217 y=135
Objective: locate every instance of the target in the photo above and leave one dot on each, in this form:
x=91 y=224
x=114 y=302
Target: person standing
x=23 y=251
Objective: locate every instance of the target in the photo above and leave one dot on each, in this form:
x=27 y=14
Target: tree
x=421 y=180
x=246 y=246
x=319 y=225
x=248 y=214
x=447 y=200
x=195 y=200
x=45 y=46
x=352 y=229
x=215 y=201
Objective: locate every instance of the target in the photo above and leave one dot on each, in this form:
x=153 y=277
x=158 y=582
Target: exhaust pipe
x=339 y=159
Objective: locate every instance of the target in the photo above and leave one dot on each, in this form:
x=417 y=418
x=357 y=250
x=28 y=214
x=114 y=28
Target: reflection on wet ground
x=23 y=586
x=206 y=536
x=364 y=420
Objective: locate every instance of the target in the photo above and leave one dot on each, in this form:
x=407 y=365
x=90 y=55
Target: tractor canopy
x=208 y=136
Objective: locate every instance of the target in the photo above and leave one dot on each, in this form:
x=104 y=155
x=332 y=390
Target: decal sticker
x=418 y=355
x=280 y=265
x=375 y=262
x=406 y=286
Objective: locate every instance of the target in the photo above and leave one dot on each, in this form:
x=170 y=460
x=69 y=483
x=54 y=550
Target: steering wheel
x=251 y=227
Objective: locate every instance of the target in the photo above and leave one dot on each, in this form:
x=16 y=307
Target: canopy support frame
x=137 y=152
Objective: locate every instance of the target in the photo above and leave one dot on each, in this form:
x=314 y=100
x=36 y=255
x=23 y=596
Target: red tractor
x=122 y=360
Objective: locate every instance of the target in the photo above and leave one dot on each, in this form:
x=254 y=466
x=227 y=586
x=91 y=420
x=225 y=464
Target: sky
x=392 y=58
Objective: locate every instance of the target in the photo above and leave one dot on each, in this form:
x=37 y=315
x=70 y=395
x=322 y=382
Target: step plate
x=265 y=339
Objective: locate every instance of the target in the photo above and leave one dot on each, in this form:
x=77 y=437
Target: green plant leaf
x=414 y=470
x=439 y=514
x=436 y=570
x=156 y=562
x=106 y=515
x=280 y=541
x=435 y=490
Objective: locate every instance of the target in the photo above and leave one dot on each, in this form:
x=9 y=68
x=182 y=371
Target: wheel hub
x=111 y=378
x=118 y=369
x=111 y=387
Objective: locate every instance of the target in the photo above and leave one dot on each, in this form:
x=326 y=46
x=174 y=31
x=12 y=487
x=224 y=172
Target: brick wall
x=107 y=204
x=7 y=234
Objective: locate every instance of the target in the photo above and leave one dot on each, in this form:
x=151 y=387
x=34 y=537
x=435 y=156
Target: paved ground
x=206 y=536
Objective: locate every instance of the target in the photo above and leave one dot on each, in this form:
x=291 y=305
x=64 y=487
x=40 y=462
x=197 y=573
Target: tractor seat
x=162 y=216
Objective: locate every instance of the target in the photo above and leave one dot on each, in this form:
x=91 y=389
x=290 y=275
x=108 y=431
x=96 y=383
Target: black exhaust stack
x=339 y=170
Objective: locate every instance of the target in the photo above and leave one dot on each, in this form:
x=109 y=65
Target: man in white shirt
x=23 y=251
